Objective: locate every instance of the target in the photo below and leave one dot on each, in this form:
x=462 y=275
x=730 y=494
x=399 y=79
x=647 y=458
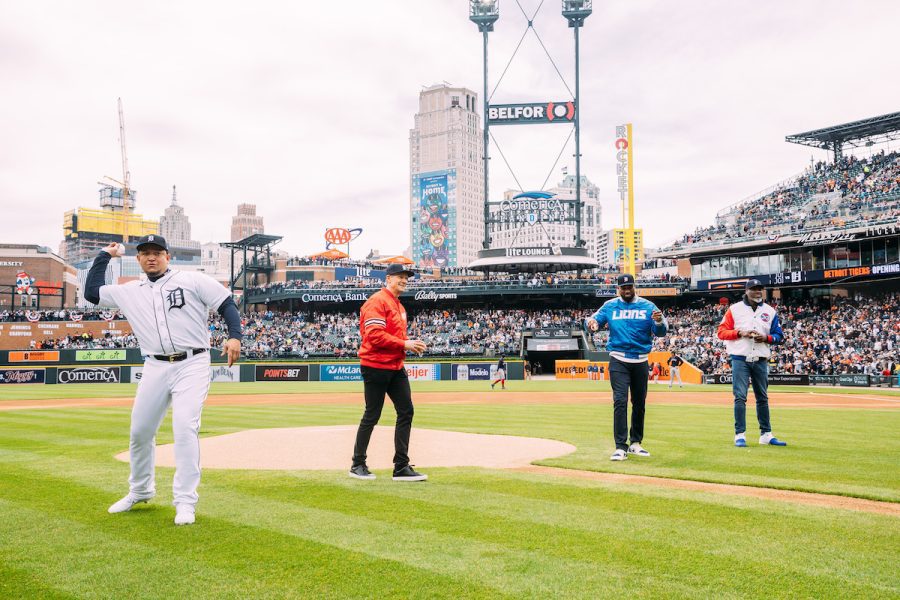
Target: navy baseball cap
x=752 y=283
x=396 y=269
x=625 y=279
x=153 y=240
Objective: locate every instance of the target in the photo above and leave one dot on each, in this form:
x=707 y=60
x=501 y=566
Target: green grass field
x=466 y=533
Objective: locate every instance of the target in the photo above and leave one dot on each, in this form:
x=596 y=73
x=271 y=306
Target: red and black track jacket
x=382 y=326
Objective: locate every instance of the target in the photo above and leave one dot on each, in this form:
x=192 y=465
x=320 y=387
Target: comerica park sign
x=532 y=113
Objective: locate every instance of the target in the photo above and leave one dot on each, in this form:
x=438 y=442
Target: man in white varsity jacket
x=748 y=329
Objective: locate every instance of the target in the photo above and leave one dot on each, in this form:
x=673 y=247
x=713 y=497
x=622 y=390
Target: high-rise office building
x=246 y=222
x=446 y=178
x=175 y=226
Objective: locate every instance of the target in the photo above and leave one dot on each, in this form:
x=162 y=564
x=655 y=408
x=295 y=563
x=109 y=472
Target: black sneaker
x=361 y=472
x=407 y=473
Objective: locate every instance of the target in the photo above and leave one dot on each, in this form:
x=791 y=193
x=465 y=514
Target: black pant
x=624 y=376
x=377 y=383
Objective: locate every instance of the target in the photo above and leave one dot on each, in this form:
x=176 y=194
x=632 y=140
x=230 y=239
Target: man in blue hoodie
x=633 y=321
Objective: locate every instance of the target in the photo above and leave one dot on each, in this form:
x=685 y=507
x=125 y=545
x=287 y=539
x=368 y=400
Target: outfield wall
x=62 y=373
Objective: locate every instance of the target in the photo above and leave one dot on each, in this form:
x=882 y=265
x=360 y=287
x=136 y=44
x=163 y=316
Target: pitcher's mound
x=323 y=448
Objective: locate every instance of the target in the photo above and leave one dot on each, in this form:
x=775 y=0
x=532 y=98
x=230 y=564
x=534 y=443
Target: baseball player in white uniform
x=168 y=312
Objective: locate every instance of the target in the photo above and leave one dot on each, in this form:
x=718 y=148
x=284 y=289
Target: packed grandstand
x=848 y=335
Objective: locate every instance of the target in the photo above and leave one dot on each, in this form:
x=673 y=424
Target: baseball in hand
x=120 y=250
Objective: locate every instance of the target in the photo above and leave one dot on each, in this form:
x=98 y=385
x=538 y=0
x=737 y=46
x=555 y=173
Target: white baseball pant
x=673 y=373
x=184 y=385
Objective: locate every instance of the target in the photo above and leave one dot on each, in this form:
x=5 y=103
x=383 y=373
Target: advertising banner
x=774 y=379
x=340 y=372
x=99 y=355
x=88 y=375
x=35 y=356
x=136 y=373
x=434 y=219
x=531 y=113
x=420 y=372
x=224 y=374
x=282 y=373
x=853 y=380
x=15 y=376
x=472 y=371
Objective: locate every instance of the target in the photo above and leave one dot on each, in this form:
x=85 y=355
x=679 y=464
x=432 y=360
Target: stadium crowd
x=852 y=335
x=849 y=335
x=854 y=191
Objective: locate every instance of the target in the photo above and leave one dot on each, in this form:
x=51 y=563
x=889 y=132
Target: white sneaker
x=184 y=514
x=637 y=450
x=126 y=504
x=619 y=454
x=767 y=439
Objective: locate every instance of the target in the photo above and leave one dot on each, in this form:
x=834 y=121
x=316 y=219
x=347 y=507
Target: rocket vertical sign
x=625 y=174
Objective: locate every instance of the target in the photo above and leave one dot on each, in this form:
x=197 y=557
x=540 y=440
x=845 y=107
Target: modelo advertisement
x=14 y=376
x=88 y=375
x=473 y=371
x=340 y=372
x=282 y=373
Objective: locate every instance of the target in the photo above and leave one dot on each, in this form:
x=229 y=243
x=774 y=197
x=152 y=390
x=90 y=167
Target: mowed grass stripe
x=588 y=524
x=221 y=558
x=658 y=527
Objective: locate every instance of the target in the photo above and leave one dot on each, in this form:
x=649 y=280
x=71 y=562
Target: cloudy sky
x=305 y=108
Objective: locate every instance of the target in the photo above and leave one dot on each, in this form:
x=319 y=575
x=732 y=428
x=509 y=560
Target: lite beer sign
x=529 y=114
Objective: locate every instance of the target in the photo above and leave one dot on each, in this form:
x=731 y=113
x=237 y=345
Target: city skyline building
x=175 y=225
x=246 y=222
x=446 y=174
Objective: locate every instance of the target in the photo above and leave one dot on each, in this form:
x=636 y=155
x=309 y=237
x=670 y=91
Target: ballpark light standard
x=484 y=13
x=575 y=11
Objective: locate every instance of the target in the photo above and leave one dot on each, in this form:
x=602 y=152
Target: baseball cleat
x=184 y=514
x=767 y=439
x=126 y=504
x=619 y=454
x=407 y=473
x=361 y=472
x=637 y=450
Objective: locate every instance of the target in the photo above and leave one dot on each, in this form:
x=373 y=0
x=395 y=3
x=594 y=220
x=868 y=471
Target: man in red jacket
x=382 y=325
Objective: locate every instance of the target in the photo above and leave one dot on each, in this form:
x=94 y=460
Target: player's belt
x=179 y=356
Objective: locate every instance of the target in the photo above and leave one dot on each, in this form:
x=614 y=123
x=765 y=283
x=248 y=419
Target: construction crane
x=125 y=184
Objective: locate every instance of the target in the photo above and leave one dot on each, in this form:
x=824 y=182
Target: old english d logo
x=175 y=298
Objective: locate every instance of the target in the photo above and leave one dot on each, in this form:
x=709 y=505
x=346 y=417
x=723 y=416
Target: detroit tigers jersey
x=631 y=327
x=169 y=315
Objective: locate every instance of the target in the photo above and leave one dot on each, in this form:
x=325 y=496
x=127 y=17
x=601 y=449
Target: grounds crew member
x=382 y=325
x=633 y=321
x=169 y=313
x=748 y=328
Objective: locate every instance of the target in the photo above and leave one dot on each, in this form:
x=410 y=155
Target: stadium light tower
x=575 y=12
x=484 y=13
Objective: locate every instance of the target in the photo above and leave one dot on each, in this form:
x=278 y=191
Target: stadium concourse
x=848 y=335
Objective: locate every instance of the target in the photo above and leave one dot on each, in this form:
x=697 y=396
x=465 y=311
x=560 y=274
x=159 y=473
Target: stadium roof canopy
x=257 y=240
x=866 y=132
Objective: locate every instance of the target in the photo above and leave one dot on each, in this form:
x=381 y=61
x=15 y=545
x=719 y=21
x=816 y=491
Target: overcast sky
x=305 y=108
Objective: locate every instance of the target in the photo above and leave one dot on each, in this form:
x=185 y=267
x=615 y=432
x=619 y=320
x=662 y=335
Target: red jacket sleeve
x=374 y=323
x=726 y=327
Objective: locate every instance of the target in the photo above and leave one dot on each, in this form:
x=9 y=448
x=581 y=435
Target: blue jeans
x=743 y=374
